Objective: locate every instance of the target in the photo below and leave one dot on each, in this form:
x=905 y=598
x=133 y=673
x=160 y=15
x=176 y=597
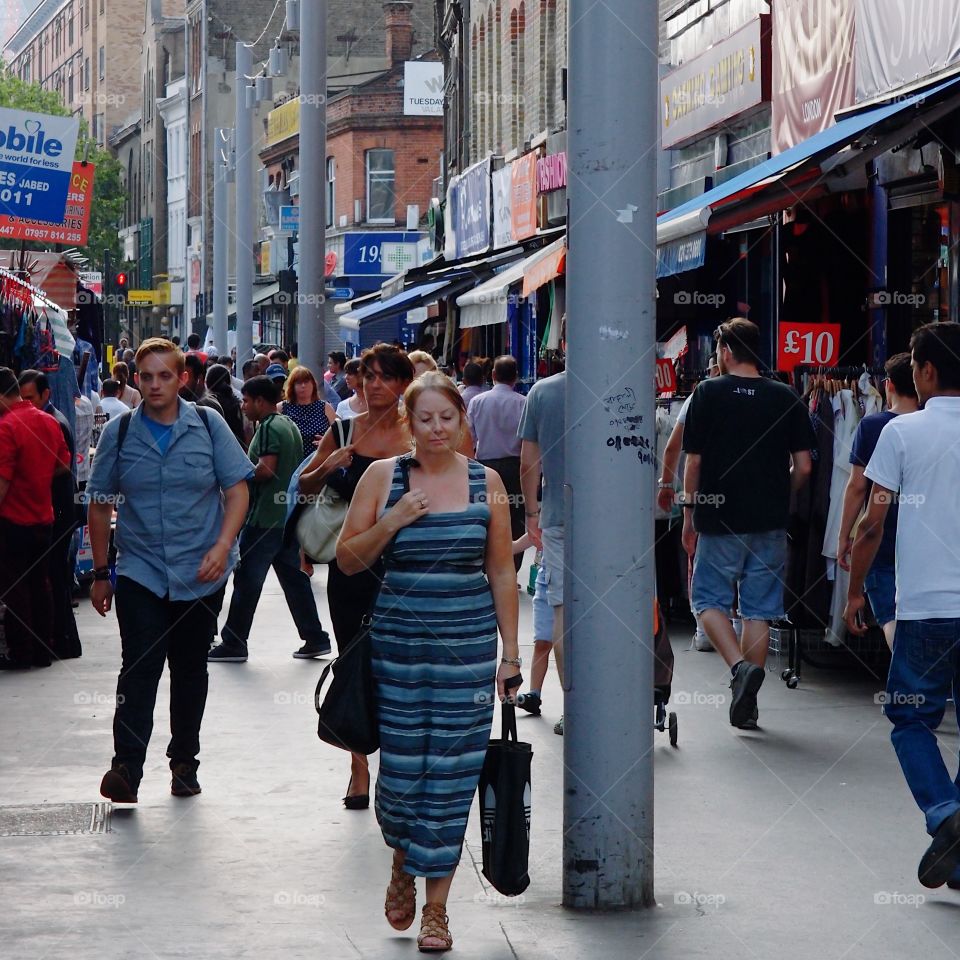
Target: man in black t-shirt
x=741 y=434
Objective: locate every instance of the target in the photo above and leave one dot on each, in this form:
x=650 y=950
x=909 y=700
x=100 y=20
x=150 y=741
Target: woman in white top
x=356 y=404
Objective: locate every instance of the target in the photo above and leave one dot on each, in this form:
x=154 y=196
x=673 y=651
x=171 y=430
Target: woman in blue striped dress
x=441 y=523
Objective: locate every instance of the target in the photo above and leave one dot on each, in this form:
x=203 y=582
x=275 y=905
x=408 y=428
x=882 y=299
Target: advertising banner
x=36 y=160
x=423 y=88
x=523 y=197
x=502 y=183
x=76 y=220
x=471 y=215
x=813 y=75
x=732 y=76
x=901 y=41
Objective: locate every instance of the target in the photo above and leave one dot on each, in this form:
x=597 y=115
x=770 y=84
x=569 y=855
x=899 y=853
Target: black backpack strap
x=205 y=417
x=124 y=427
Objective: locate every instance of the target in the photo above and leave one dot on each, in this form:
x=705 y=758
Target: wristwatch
x=663 y=484
x=515 y=661
x=101 y=573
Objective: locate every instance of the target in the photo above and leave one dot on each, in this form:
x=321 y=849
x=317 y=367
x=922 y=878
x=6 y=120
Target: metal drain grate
x=55 y=819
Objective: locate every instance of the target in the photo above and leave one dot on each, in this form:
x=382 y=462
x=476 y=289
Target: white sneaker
x=702 y=642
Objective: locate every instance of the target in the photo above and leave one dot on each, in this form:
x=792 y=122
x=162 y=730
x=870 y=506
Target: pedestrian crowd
x=441 y=487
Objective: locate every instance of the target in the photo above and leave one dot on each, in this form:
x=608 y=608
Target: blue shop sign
x=36 y=161
x=685 y=253
x=361 y=252
x=289 y=219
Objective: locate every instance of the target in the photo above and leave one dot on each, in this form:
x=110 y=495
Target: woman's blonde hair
x=421 y=356
x=433 y=380
x=300 y=374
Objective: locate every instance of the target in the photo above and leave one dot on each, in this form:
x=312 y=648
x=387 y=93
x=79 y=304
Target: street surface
x=799 y=840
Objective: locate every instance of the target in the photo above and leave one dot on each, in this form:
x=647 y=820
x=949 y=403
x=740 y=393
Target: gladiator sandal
x=433 y=926
x=401 y=897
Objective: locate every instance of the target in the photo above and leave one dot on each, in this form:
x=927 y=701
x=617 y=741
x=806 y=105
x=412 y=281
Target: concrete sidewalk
x=797 y=840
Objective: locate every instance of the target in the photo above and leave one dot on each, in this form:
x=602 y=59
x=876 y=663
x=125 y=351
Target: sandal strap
x=433 y=924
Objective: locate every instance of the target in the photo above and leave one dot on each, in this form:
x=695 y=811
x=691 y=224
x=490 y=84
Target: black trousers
x=349 y=598
x=25 y=592
x=154 y=630
x=66 y=639
x=509 y=470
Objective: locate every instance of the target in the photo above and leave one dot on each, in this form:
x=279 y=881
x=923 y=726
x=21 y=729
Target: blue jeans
x=880 y=587
x=261 y=548
x=924 y=669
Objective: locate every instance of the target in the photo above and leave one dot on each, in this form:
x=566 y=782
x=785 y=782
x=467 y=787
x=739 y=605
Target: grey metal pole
x=220 y=235
x=245 y=203
x=311 y=348
x=609 y=587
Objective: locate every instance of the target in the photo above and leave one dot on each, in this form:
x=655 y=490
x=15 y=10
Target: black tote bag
x=505 y=791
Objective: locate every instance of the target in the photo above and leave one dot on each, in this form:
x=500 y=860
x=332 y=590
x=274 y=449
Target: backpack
x=125 y=426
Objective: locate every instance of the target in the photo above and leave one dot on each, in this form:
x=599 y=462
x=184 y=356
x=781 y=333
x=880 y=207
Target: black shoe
x=227 y=653
x=745 y=685
x=943 y=855
x=310 y=650
x=530 y=702
x=359 y=801
x=184 y=782
x=117 y=786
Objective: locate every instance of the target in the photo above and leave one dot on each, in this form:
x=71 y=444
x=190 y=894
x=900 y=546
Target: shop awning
x=408 y=299
x=801 y=173
x=486 y=304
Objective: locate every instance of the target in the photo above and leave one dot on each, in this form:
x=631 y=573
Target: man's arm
x=99 y=515
x=236 y=500
x=266 y=468
x=530 y=464
x=853 y=501
x=864 y=551
x=691 y=486
x=671 y=457
x=801 y=469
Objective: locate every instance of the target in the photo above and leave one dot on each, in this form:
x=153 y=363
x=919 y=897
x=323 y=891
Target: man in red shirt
x=32 y=450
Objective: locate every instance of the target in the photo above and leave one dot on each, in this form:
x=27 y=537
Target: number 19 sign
x=808 y=344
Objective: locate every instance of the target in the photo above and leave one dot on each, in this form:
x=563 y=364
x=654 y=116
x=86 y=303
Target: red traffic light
x=121 y=280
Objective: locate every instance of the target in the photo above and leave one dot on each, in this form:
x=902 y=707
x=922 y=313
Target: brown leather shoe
x=116 y=786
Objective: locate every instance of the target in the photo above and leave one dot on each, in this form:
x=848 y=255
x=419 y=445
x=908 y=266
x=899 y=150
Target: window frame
x=371 y=175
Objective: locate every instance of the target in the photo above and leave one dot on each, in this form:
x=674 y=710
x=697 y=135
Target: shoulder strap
x=124 y=427
x=205 y=417
x=343 y=439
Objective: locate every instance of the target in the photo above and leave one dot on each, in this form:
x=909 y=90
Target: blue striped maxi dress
x=434 y=649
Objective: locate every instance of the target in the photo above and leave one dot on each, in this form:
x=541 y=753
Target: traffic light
x=120 y=285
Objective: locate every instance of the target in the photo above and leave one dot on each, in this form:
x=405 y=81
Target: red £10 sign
x=808 y=344
x=666 y=377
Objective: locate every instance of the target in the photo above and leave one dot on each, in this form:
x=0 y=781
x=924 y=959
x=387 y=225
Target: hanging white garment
x=846 y=417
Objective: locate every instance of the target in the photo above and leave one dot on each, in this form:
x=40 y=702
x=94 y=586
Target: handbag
x=347 y=713
x=505 y=793
x=321 y=521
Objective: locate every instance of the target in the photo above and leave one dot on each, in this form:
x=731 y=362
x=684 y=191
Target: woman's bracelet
x=536 y=513
x=514 y=661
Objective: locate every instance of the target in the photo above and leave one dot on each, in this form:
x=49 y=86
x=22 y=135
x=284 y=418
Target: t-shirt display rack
x=17 y=297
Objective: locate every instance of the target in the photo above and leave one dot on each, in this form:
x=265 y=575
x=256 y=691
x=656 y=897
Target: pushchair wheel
x=672 y=725
x=790 y=678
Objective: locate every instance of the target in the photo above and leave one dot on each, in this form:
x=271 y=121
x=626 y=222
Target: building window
x=381 y=195
x=103 y=63
x=70 y=26
x=86 y=73
x=331 y=191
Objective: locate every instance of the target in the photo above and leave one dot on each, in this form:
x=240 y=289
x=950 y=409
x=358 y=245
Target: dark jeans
x=153 y=630
x=261 y=548
x=924 y=669
x=25 y=591
x=509 y=470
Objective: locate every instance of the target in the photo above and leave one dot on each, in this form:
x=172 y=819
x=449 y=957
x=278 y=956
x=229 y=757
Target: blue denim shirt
x=171 y=509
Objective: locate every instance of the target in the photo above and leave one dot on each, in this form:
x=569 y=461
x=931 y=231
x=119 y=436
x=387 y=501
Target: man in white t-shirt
x=110 y=402
x=917 y=463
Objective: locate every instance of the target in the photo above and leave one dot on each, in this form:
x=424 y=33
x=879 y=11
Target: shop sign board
x=523 y=197
x=75 y=224
x=502 y=183
x=290 y=219
x=471 y=210
x=666 y=376
x=423 y=88
x=899 y=42
x=684 y=253
x=813 y=73
x=808 y=344
x=362 y=253
x=283 y=122
x=552 y=172
x=36 y=163
x=731 y=77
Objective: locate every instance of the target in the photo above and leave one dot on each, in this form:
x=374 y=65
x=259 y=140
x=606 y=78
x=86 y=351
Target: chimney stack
x=399 y=21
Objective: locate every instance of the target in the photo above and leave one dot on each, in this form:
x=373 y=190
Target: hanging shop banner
x=501 y=182
x=666 y=377
x=552 y=172
x=76 y=221
x=813 y=75
x=423 y=88
x=901 y=41
x=523 y=197
x=684 y=253
x=36 y=160
x=283 y=122
x=808 y=344
x=471 y=213
x=731 y=77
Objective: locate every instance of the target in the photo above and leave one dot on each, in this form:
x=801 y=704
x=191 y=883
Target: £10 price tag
x=808 y=344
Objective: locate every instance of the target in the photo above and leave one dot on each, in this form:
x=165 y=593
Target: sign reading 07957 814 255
x=36 y=160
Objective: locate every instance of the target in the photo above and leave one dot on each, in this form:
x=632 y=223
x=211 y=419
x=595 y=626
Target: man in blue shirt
x=880 y=585
x=178 y=479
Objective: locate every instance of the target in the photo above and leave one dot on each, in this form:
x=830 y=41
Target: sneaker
x=530 y=702
x=227 y=653
x=751 y=722
x=310 y=650
x=558 y=727
x=702 y=642
x=745 y=685
x=184 y=781
x=117 y=785
x=943 y=855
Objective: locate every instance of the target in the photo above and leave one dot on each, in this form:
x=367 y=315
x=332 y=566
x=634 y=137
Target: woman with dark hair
x=370 y=436
x=354 y=405
x=129 y=396
x=218 y=383
x=302 y=404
